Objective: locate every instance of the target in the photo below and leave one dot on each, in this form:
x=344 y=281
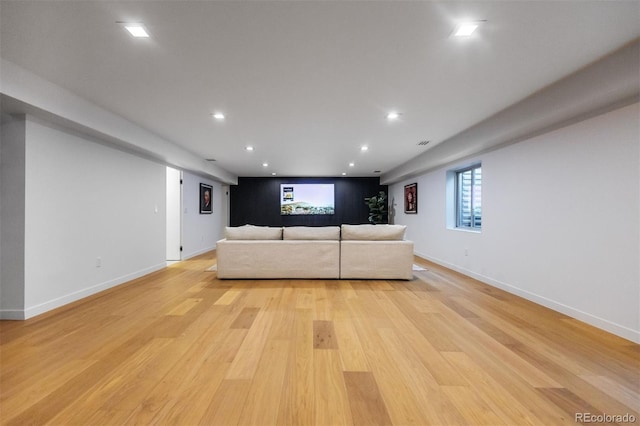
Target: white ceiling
x=307 y=83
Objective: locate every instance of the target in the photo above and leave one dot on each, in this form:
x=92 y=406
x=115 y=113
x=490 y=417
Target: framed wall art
x=411 y=198
x=206 y=192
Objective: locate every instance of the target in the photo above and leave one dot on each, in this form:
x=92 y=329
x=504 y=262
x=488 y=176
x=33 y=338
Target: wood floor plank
x=500 y=399
x=13 y=402
x=346 y=289
x=246 y=361
x=297 y=404
x=429 y=324
x=434 y=405
x=331 y=399
x=205 y=360
x=228 y=297
x=70 y=391
x=324 y=335
x=365 y=401
x=623 y=394
x=180 y=346
x=412 y=339
x=184 y=306
x=499 y=354
x=283 y=327
x=305 y=298
x=472 y=407
x=246 y=318
x=227 y=403
x=265 y=403
x=575 y=384
x=404 y=407
x=569 y=402
x=352 y=356
x=321 y=305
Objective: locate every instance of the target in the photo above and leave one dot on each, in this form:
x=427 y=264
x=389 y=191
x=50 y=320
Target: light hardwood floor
x=181 y=347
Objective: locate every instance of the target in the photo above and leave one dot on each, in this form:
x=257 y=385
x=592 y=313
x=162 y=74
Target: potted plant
x=377 y=207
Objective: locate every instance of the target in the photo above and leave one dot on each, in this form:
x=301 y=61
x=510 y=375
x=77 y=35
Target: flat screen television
x=307 y=198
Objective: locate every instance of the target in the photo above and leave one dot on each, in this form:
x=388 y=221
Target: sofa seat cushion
x=278 y=259
x=387 y=260
x=373 y=232
x=311 y=233
x=250 y=232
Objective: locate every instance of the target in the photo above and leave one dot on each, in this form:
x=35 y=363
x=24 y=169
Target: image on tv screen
x=306 y=198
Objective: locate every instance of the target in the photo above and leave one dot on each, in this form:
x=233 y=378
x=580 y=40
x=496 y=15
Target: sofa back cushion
x=250 y=232
x=311 y=233
x=373 y=232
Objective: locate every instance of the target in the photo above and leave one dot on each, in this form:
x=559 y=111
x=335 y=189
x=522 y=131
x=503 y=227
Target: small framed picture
x=411 y=198
x=206 y=192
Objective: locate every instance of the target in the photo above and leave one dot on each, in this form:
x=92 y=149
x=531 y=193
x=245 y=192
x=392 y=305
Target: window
x=469 y=197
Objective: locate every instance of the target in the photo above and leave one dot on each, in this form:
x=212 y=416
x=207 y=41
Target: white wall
x=200 y=231
x=77 y=200
x=561 y=221
x=85 y=200
x=12 y=176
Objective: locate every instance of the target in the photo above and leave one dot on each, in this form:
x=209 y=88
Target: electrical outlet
x=466 y=252
x=98 y=262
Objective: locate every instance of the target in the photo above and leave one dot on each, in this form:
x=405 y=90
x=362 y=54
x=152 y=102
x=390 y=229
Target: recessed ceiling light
x=265 y=164
x=364 y=148
x=344 y=173
x=136 y=29
x=352 y=164
x=393 y=115
x=466 y=29
x=249 y=148
x=273 y=174
x=218 y=115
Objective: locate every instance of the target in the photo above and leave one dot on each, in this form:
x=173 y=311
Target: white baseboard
x=601 y=323
x=198 y=253
x=33 y=311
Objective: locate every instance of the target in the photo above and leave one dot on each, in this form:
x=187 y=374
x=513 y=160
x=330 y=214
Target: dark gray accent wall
x=256 y=201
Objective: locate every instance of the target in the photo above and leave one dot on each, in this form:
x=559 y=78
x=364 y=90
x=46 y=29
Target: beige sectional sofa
x=329 y=252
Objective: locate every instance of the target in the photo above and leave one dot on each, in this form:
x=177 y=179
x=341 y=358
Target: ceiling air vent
x=423 y=143
x=211 y=159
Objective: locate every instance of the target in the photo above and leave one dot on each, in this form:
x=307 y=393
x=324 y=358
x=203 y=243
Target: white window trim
x=451 y=188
